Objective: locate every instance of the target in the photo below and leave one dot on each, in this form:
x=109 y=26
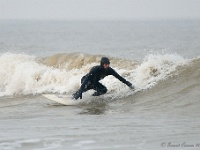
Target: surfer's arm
x=116 y=75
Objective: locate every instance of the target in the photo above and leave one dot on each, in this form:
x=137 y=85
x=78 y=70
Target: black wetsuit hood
x=104 y=60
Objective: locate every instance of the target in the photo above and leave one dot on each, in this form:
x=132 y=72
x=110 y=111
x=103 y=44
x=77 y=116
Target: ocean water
x=161 y=58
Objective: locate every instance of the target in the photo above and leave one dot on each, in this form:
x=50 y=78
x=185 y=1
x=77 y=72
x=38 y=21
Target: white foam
x=23 y=74
x=156 y=67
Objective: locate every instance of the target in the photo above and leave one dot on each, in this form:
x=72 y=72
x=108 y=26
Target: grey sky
x=99 y=9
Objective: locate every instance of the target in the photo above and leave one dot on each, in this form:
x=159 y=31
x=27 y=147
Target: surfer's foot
x=77 y=95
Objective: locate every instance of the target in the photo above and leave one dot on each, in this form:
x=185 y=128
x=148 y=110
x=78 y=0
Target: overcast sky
x=99 y=9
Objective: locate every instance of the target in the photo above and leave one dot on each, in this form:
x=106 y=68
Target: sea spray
x=156 y=67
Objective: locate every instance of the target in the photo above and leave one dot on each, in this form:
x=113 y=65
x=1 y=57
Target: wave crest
x=61 y=73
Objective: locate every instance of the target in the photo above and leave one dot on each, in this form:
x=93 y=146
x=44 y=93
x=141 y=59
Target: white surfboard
x=62 y=99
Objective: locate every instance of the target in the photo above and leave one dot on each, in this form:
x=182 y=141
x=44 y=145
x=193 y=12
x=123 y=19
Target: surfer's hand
x=132 y=87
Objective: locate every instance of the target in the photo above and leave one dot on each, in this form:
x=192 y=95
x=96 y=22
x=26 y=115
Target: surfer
x=91 y=80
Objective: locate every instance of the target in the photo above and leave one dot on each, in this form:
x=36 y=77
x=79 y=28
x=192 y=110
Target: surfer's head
x=105 y=62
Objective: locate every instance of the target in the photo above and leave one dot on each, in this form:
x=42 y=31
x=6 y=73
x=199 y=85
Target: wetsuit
x=91 y=81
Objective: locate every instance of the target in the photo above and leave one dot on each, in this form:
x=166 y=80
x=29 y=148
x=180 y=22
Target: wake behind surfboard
x=62 y=99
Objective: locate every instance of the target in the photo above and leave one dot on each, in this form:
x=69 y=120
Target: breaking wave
x=23 y=74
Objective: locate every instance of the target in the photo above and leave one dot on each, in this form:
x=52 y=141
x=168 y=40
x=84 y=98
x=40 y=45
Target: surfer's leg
x=100 y=89
x=84 y=87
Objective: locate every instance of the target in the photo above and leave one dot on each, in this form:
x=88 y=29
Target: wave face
x=178 y=94
x=23 y=74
